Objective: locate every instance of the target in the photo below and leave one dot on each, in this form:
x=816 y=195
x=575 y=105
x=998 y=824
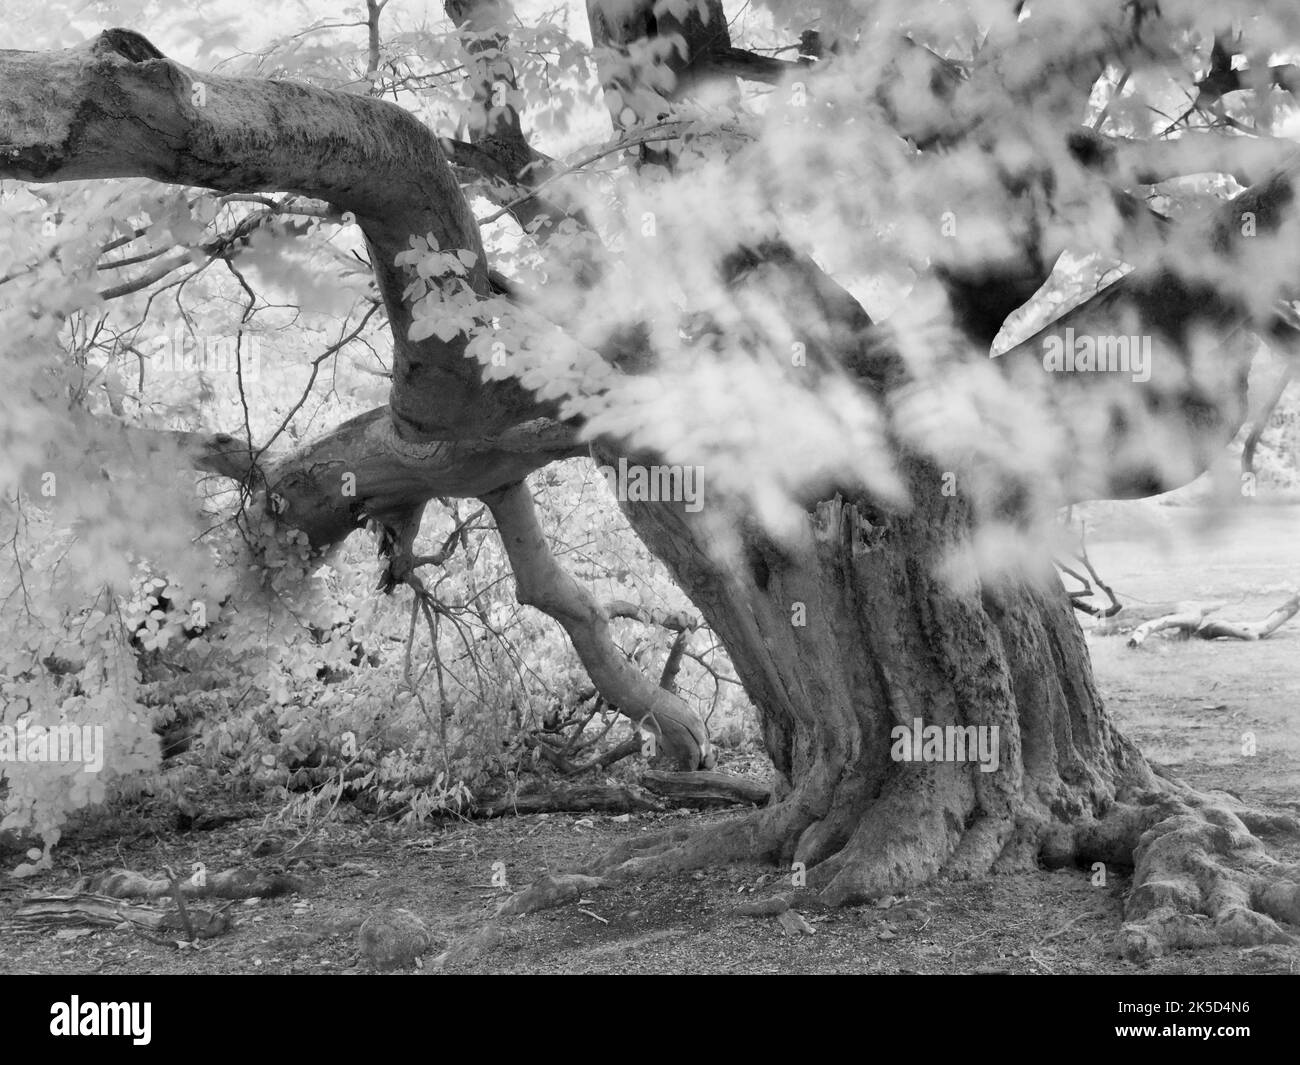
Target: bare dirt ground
x=1188 y=703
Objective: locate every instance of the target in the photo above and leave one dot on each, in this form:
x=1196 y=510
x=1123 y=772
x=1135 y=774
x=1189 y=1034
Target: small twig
x=1068 y=925
x=145 y=935
x=1105 y=111
x=972 y=939
x=179 y=899
x=313 y=829
x=664 y=131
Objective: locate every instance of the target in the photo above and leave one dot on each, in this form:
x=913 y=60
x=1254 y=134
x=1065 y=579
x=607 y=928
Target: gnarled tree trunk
x=860 y=629
x=876 y=623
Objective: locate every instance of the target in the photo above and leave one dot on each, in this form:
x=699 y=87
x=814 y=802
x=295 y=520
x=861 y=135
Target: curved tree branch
x=542 y=582
x=115 y=107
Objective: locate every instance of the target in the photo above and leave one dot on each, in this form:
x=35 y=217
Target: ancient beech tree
x=862 y=598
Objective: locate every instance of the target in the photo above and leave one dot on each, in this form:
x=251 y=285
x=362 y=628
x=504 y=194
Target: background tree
x=875 y=545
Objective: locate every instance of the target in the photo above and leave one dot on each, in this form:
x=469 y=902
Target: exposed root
x=903 y=839
x=1201 y=878
x=746 y=838
x=1270 y=825
x=639 y=850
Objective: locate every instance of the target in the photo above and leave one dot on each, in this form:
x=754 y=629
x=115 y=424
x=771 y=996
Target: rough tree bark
x=887 y=640
x=860 y=627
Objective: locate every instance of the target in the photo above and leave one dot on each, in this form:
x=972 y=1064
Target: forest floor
x=1187 y=703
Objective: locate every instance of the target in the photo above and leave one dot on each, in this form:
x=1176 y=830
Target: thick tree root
x=745 y=838
x=1200 y=877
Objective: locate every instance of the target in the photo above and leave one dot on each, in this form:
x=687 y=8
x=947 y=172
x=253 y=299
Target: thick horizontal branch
x=116 y=107
x=173 y=124
x=750 y=66
x=361 y=470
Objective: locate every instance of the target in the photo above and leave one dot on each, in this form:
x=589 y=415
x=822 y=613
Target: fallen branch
x=1186 y=619
x=1193 y=620
x=1132 y=615
x=1246 y=630
x=86 y=909
x=227 y=884
x=601 y=798
x=705 y=788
